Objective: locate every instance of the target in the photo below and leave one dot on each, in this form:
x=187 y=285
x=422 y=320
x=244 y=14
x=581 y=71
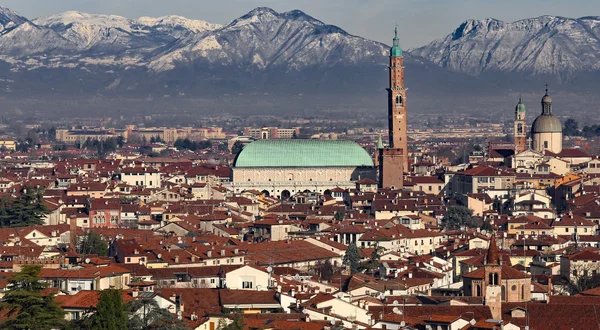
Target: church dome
x=546 y=99
x=303 y=153
x=546 y=123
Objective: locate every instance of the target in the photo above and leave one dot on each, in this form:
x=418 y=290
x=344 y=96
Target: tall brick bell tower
x=520 y=133
x=394 y=159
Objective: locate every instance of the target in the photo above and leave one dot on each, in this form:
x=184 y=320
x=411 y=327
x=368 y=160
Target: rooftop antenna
x=546 y=88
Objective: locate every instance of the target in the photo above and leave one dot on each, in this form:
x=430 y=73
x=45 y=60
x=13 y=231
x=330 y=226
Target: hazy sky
x=419 y=21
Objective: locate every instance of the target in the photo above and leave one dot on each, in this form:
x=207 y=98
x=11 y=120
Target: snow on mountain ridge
x=264 y=38
x=540 y=45
x=10 y=19
x=197 y=26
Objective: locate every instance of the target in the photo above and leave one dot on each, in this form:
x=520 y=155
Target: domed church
x=546 y=130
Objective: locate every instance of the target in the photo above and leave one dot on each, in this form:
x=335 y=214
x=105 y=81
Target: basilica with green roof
x=282 y=168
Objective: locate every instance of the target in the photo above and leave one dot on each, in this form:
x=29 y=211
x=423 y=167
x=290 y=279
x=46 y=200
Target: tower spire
x=546 y=88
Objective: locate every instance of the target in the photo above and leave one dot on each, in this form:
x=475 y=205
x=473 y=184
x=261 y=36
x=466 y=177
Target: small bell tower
x=520 y=132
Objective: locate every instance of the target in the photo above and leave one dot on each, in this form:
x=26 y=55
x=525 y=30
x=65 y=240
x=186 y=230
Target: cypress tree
x=352 y=258
x=110 y=312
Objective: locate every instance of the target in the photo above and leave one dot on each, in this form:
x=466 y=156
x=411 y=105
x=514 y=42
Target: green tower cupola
x=520 y=106
x=396 y=49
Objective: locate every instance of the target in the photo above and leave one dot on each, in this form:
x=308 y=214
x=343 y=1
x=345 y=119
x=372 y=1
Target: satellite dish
x=395 y=303
x=472 y=321
x=397 y=310
x=87 y=260
x=402 y=324
x=332 y=322
x=269 y=269
x=159 y=256
x=258 y=287
x=484 y=231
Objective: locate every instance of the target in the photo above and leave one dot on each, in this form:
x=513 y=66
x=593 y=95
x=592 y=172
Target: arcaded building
x=282 y=168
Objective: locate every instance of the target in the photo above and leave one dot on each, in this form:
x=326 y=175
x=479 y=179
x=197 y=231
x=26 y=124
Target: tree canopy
x=145 y=314
x=110 y=312
x=26 y=210
x=237 y=147
x=571 y=127
x=27 y=307
x=459 y=216
x=93 y=243
x=352 y=258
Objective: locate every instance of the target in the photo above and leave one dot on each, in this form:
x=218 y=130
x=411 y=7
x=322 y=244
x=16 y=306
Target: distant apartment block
x=169 y=135
x=76 y=136
x=8 y=144
x=266 y=133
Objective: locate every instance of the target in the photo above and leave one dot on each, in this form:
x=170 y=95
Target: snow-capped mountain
x=264 y=39
x=111 y=33
x=260 y=49
x=542 y=45
x=267 y=51
x=9 y=19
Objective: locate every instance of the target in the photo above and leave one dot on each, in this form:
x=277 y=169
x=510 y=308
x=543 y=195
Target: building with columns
x=282 y=168
x=393 y=161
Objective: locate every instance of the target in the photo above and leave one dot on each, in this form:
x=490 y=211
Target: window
x=399 y=102
x=246 y=284
x=545 y=144
x=128 y=259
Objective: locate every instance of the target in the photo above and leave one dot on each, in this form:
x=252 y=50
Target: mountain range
x=264 y=51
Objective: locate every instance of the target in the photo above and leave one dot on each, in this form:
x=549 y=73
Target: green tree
x=571 y=127
x=373 y=263
x=110 y=312
x=145 y=314
x=237 y=147
x=204 y=144
x=237 y=322
x=93 y=243
x=120 y=141
x=487 y=226
x=459 y=216
x=27 y=307
x=352 y=257
x=339 y=216
x=26 y=210
x=325 y=270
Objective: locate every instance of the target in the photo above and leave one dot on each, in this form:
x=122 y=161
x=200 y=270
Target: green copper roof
x=302 y=153
x=379 y=143
x=520 y=106
x=396 y=50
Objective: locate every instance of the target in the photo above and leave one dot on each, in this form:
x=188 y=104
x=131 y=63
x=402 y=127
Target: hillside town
x=190 y=228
